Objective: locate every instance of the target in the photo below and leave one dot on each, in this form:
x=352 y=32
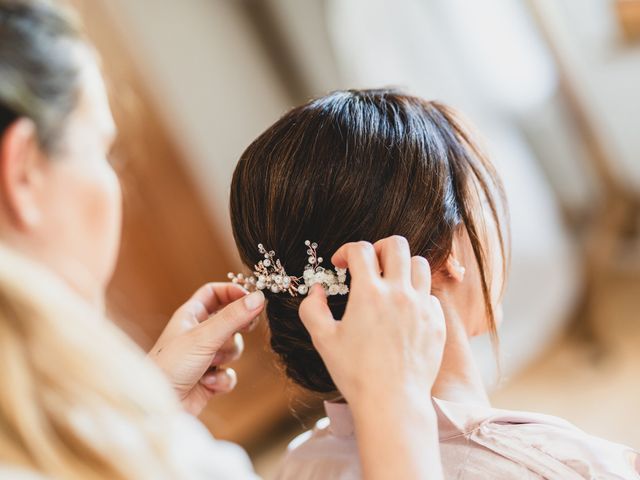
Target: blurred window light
x=489 y=50
x=499 y=43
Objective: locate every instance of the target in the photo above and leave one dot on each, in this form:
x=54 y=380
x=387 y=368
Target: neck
x=459 y=379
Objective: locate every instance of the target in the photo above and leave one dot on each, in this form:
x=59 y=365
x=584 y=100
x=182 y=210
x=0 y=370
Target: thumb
x=218 y=328
x=316 y=315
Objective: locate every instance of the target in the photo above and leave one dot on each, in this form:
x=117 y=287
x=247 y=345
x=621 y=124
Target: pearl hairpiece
x=269 y=274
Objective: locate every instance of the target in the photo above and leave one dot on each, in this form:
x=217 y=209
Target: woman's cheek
x=104 y=216
x=113 y=221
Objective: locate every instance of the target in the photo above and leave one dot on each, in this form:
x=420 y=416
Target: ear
x=20 y=174
x=453 y=267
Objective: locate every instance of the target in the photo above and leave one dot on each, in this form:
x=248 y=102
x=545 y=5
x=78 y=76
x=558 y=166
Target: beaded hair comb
x=269 y=274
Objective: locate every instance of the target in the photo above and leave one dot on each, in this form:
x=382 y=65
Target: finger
x=360 y=258
x=230 y=351
x=252 y=325
x=220 y=380
x=211 y=334
x=215 y=295
x=395 y=257
x=316 y=315
x=207 y=300
x=421 y=274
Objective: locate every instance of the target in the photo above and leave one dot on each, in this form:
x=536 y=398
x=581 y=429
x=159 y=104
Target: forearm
x=398 y=438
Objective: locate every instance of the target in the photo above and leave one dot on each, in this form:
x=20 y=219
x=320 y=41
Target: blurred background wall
x=553 y=87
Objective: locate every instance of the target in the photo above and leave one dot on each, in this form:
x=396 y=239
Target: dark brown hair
x=358 y=165
x=39 y=71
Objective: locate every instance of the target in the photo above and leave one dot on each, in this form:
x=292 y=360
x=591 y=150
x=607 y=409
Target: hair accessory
x=269 y=274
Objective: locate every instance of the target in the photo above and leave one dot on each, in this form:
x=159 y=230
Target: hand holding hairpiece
x=270 y=274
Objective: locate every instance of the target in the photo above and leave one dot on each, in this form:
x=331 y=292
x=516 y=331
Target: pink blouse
x=475 y=443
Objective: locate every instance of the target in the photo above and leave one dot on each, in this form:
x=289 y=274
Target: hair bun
x=292 y=342
x=362 y=165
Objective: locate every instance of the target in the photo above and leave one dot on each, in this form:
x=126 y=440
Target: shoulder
x=549 y=444
x=588 y=455
x=193 y=445
x=544 y=444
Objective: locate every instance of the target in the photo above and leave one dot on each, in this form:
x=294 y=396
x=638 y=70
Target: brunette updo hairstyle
x=358 y=165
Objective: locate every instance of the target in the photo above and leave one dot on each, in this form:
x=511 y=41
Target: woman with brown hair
x=79 y=401
x=363 y=165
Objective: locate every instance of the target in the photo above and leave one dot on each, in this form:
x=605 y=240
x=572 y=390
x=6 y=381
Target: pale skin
x=457 y=286
x=63 y=210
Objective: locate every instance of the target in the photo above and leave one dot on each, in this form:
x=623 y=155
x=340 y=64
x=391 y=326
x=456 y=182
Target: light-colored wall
x=211 y=81
x=604 y=71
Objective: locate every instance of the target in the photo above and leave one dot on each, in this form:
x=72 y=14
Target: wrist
x=402 y=389
x=411 y=399
x=404 y=422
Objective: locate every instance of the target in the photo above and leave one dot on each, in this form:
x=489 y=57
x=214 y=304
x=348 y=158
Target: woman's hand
x=201 y=336
x=384 y=356
x=393 y=330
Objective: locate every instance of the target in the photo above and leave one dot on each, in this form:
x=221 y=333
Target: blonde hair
x=78 y=399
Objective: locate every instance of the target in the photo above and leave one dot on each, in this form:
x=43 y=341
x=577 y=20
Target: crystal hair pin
x=269 y=274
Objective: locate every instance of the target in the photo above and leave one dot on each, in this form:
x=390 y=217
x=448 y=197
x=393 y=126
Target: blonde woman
x=73 y=407
x=77 y=399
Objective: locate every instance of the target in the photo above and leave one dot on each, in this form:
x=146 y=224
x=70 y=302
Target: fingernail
x=254 y=300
